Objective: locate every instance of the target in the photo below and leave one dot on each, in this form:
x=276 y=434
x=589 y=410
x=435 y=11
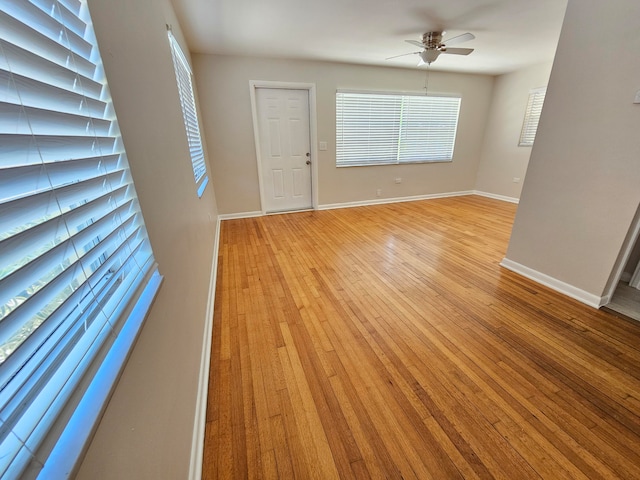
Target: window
x=382 y=129
x=532 y=116
x=190 y=114
x=76 y=266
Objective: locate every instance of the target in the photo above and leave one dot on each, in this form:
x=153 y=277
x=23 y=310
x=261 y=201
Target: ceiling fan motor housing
x=432 y=40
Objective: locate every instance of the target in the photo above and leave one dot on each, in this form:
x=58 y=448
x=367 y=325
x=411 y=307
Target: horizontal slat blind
x=367 y=128
x=429 y=127
x=381 y=129
x=74 y=252
x=532 y=116
x=189 y=113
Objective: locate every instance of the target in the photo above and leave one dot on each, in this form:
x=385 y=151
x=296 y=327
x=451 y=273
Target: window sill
x=392 y=163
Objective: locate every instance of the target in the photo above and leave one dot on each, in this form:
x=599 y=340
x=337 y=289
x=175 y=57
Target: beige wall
x=147 y=429
x=582 y=187
x=502 y=159
x=223 y=83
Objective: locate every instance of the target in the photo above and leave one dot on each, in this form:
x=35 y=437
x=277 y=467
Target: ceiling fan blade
x=402 y=55
x=416 y=43
x=458 y=51
x=465 y=37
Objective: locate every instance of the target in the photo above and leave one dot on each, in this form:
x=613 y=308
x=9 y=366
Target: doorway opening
x=625 y=292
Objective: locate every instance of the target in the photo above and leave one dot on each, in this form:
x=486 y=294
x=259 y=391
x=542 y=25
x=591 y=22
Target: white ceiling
x=510 y=34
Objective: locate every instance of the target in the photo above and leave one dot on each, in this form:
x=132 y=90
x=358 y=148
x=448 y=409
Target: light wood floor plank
x=387 y=342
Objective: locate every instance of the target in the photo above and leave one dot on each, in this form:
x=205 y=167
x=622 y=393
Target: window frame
x=371 y=137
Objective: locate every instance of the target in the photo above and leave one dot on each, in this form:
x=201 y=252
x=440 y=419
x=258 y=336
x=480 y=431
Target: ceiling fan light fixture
x=429 y=56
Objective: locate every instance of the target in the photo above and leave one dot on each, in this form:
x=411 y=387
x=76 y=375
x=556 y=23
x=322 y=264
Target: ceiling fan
x=434 y=45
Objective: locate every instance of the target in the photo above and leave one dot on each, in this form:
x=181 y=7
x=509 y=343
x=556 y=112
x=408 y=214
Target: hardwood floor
x=387 y=342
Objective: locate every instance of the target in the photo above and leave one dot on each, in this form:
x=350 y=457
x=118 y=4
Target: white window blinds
x=532 y=116
x=190 y=114
x=74 y=253
x=381 y=129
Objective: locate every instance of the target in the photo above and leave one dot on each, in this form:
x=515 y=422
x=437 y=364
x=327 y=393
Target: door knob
x=308 y=162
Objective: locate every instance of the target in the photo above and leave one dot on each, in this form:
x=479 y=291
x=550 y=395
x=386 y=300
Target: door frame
x=623 y=257
x=313 y=134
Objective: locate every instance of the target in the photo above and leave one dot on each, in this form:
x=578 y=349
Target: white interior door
x=283 y=130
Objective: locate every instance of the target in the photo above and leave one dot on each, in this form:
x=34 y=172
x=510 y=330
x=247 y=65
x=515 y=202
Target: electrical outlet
x=378 y=192
x=516 y=179
x=398 y=179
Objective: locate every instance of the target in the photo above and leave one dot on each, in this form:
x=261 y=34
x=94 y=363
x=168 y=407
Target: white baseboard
x=234 y=216
x=576 y=293
x=199 y=425
x=495 y=196
x=379 y=201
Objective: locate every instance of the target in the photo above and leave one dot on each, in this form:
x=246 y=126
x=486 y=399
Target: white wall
x=147 y=429
x=502 y=159
x=582 y=187
x=223 y=83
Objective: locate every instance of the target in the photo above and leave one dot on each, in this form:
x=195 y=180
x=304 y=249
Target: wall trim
x=495 y=196
x=235 y=216
x=576 y=293
x=200 y=420
x=380 y=201
x=377 y=201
